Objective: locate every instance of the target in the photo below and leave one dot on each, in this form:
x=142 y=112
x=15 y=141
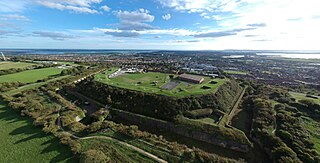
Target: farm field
x=302 y=96
x=30 y=76
x=22 y=142
x=9 y=65
x=145 y=82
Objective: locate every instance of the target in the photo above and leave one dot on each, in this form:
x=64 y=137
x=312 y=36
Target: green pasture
x=16 y=65
x=145 y=82
x=21 y=141
x=30 y=76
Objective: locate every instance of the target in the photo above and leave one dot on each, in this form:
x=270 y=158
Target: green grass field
x=22 y=142
x=30 y=76
x=236 y=72
x=144 y=82
x=9 y=65
x=302 y=96
x=34 y=85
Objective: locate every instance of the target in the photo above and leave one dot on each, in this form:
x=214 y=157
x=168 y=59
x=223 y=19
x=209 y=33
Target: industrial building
x=191 y=78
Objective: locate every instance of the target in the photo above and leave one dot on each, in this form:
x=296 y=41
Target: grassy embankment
x=22 y=142
x=144 y=82
x=114 y=150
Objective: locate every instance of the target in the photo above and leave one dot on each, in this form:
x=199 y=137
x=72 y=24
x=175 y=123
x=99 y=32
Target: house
x=191 y=78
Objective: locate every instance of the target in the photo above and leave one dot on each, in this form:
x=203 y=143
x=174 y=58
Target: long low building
x=191 y=78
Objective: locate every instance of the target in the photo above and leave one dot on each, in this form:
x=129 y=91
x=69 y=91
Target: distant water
x=233 y=53
x=67 y=51
x=293 y=55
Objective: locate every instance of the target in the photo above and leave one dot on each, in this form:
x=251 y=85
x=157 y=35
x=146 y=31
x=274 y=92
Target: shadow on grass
x=32 y=132
x=64 y=153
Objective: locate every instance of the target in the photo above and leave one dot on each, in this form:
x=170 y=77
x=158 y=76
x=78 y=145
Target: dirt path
x=128 y=145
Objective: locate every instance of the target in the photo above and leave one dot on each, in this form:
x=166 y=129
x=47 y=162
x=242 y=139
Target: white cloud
x=193 y=5
x=78 y=6
x=135 y=20
x=53 y=35
x=7 y=17
x=288 y=23
x=11 y=6
x=166 y=17
x=140 y=15
x=105 y=8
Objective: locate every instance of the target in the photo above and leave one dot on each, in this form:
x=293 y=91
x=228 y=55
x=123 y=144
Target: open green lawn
x=22 y=142
x=30 y=76
x=236 y=72
x=302 y=96
x=144 y=82
x=9 y=65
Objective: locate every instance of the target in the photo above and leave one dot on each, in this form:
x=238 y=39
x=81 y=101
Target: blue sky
x=160 y=24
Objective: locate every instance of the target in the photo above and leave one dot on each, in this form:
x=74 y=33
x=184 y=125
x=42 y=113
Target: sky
x=160 y=24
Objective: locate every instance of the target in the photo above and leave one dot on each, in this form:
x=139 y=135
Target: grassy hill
x=22 y=142
x=145 y=82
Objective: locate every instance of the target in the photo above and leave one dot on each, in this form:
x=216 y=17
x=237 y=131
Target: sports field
x=16 y=65
x=152 y=82
x=22 y=142
x=30 y=76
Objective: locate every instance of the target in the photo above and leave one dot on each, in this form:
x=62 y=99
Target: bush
x=93 y=156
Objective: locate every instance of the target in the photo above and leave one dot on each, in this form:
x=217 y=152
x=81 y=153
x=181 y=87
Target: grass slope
x=30 y=76
x=314 y=128
x=143 y=82
x=115 y=151
x=302 y=96
x=9 y=65
x=22 y=142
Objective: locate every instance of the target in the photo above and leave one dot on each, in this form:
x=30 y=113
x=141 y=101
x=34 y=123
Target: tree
x=109 y=101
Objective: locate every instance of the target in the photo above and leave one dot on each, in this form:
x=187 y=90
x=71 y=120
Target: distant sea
x=293 y=55
x=239 y=53
x=67 y=51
